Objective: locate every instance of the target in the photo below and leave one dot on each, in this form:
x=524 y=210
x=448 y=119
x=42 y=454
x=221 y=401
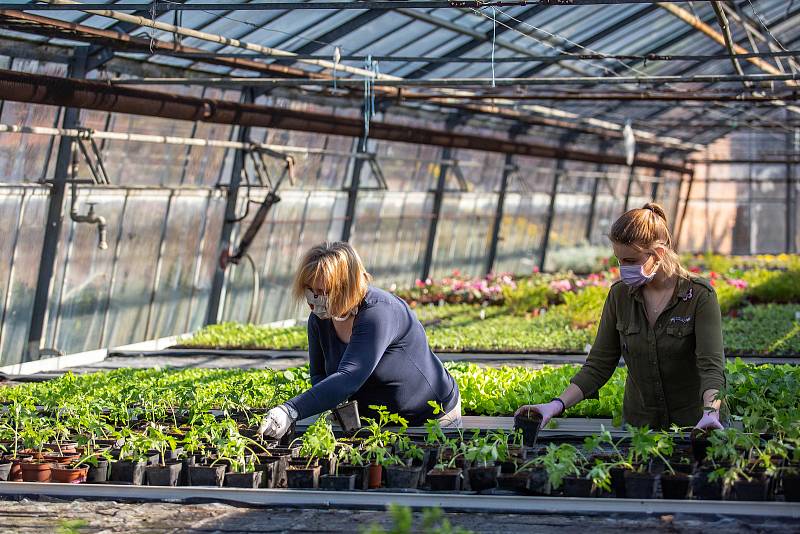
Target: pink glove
x=709 y=421
x=547 y=411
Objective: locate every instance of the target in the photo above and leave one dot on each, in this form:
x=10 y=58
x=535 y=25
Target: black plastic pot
x=618 y=481
x=577 y=487
x=530 y=426
x=791 y=487
x=337 y=482
x=274 y=469
x=703 y=489
x=301 y=477
x=5 y=471
x=170 y=455
x=675 y=486
x=292 y=452
x=640 y=485
x=202 y=475
x=361 y=473
x=483 y=478
x=163 y=476
x=185 y=464
x=539 y=481
x=98 y=474
x=327 y=465
x=401 y=476
x=756 y=489
x=127 y=472
x=517 y=482
x=444 y=479
x=243 y=480
x=346 y=416
x=700 y=445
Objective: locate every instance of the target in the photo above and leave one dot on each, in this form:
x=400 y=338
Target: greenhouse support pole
x=438 y=197
x=352 y=190
x=52 y=232
x=551 y=211
x=498 y=216
x=628 y=188
x=592 y=206
x=593 y=202
x=679 y=228
x=790 y=201
x=218 y=283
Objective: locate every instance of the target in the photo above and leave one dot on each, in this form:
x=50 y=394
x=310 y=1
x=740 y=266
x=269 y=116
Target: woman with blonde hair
x=665 y=323
x=364 y=344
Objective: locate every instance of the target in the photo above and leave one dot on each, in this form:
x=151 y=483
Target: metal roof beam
x=475 y=42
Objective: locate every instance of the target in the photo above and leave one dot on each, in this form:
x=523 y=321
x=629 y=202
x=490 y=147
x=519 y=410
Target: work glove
x=547 y=411
x=709 y=421
x=277 y=421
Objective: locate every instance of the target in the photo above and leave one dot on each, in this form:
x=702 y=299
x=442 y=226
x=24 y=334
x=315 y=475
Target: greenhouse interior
x=399 y=266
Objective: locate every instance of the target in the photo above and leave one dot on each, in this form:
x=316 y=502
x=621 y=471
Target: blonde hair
x=644 y=229
x=338 y=267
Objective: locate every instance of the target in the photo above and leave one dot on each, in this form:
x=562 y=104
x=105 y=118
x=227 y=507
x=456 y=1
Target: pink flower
x=738 y=283
x=428 y=282
x=535 y=268
x=560 y=286
x=456 y=272
x=419 y=283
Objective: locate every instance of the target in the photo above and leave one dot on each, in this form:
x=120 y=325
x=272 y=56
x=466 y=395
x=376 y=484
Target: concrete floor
x=56 y=516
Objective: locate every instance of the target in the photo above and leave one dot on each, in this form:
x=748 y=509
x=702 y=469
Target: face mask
x=320 y=307
x=319 y=304
x=633 y=275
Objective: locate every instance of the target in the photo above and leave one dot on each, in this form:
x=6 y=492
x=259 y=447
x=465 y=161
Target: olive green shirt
x=670 y=365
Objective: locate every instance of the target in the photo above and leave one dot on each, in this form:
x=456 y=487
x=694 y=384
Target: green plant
x=561 y=461
x=647 y=445
x=433 y=522
x=318 y=440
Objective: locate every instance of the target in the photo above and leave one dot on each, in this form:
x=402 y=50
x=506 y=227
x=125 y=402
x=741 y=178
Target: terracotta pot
x=36 y=471
x=69 y=476
x=375 y=476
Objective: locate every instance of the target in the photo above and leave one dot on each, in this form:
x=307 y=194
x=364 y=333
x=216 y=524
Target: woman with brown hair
x=667 y=326
x=364 y=344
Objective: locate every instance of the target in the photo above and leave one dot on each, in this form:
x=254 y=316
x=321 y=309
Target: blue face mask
x=633 y=275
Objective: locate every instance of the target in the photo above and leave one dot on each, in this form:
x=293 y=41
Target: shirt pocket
x=627 y=335
x=680 y=340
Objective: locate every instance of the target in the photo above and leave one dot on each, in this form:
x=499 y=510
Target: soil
x=94 y=517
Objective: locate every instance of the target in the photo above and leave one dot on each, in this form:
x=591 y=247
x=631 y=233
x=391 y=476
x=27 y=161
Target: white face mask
x=319 y=305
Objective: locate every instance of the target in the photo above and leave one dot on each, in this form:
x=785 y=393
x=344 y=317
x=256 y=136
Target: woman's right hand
x=547 y=411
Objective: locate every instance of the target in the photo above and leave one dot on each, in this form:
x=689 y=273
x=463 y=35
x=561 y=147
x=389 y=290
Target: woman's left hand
x=709 y=421
x=277 y=422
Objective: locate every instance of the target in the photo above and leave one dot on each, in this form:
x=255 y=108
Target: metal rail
x=378 y=500
x=349 y=5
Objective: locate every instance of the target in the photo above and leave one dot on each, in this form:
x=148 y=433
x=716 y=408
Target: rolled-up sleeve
x=604 y=355
x=708 y=342
x=373 y=331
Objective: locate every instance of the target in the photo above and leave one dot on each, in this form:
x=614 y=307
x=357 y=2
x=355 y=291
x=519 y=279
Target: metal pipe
x=555 y=58
x=352 y=188
x=728 y=38
x=253 y=81
x=34 y=88
x=631 y=96
x=551 y=211
x=341 y=5
x=704 y=28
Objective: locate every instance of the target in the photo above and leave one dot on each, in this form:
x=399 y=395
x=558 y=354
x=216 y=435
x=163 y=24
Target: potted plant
x=401 y=470
x=445 y=476
x=646 y=445
x=529 y=425
x=168 y=469
x=351 y=462
x=484 y=455
x=562 y=463
x=134 y=456
x=317 y=443
x=378 y=439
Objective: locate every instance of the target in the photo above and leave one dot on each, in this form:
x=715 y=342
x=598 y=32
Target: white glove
x=277 y=421
x=709 y=421
x=547 y=411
